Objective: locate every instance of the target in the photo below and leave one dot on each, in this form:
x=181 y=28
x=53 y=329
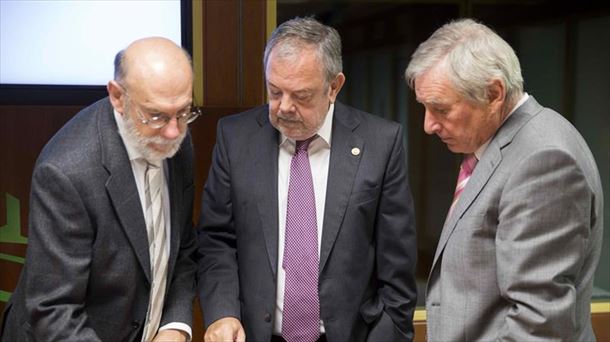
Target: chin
x=154 y=153
x=456 y=149
x=298 y=135
x=291 y=134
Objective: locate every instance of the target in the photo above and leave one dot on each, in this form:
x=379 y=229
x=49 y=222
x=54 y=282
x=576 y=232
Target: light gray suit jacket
x=87 y=270
x=516 y=258
x=366 y=282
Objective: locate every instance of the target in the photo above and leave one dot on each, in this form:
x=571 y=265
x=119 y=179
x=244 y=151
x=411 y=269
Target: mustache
x=160 y=140
x=289 y=117
x=141 y=142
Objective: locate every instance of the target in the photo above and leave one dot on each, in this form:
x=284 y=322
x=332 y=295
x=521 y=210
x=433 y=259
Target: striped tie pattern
x=155 y=227
x=466 y=169
x=301 y=315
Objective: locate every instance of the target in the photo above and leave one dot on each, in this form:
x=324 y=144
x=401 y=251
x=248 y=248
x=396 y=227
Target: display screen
x=73 y=42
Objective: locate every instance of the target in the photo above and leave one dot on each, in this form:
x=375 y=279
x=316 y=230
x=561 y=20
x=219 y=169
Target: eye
x=440 y=110
x=273 y=90
x=158 y=117
x=302 y=97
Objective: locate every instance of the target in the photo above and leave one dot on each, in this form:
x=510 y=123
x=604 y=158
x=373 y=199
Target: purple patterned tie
x=301 y=316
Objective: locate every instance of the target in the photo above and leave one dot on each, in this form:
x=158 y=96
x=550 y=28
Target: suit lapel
x=492 y=157
x=482 y=172
x=265 y=149
x=121 y=186
x=343 y=166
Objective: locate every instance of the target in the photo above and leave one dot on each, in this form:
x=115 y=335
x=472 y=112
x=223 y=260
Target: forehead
x=161 y=99
x=434 y=87
x=303 y=66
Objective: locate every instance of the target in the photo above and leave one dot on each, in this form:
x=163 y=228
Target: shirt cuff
x=179 y=326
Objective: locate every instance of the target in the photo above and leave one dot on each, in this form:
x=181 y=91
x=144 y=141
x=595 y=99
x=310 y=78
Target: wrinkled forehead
x=434 y=87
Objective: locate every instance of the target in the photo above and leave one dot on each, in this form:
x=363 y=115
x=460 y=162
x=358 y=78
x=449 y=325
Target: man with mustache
x=110 y=252
x=306 y=231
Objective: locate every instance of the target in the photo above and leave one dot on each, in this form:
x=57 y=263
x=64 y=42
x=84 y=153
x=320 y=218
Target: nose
x=286 y=104
x=431 y=125
x=171 y=130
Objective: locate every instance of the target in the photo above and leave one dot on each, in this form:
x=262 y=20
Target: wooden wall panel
x=221 y=52
x=254 y=22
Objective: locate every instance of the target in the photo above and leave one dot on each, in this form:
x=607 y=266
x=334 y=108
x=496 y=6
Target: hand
x=226 y=329
x=171 y=335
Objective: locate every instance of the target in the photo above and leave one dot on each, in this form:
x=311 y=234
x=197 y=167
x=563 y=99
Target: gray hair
x=295 y=34
x=119 y=66
x=473 y=55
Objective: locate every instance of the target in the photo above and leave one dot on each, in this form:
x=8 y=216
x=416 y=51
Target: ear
x=116 y=96
x=496 y=94
x=335 y=87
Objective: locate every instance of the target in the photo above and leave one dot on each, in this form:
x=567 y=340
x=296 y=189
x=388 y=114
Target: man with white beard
x=110 y=253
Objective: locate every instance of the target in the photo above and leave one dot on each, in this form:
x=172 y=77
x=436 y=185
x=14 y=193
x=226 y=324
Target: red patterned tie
x=466 y=168
x=301 y=316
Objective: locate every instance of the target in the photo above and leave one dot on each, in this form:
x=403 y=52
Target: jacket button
x=135 y=325
x=267 y=317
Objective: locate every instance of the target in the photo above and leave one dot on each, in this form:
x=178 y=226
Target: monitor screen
x=59 y=45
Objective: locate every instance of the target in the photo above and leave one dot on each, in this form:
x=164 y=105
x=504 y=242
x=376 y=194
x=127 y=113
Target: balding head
x=154 y=71
x=153 y=62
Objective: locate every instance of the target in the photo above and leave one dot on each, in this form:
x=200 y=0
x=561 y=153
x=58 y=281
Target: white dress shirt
x=138 y=166
x=319 y=156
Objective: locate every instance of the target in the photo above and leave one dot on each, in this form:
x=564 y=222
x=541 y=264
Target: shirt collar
x=479 y=152
x=325 y=131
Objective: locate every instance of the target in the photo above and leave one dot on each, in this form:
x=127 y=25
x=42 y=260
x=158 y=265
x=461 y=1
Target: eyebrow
x=432 y=101
x=156 y=111
x=305 y=91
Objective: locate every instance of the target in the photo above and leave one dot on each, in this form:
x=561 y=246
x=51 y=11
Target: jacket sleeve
x=396 y=251
x=541 y=245
x=217 y=274
x=59 y=248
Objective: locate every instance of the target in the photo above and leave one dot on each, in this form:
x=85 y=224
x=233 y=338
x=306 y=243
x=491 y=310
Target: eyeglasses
x=159 y=120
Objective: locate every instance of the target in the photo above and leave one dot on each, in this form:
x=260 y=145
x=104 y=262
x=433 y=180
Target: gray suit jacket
x=87 y=270
x=368 y=252
x=516 y=258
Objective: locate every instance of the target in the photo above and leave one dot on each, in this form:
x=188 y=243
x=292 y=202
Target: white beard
x=141 y=143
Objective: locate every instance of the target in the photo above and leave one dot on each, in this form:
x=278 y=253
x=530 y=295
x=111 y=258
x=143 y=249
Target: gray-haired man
x=521 y=242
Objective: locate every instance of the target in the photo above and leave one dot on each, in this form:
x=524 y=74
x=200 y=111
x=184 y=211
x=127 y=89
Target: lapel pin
x=355 y=151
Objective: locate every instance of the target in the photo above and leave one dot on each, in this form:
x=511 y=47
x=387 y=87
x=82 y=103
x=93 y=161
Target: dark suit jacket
x=87 y=270
x=516 y=258
x=368 y=252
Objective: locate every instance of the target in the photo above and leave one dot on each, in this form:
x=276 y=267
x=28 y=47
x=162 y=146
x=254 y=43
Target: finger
x=241 y=335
